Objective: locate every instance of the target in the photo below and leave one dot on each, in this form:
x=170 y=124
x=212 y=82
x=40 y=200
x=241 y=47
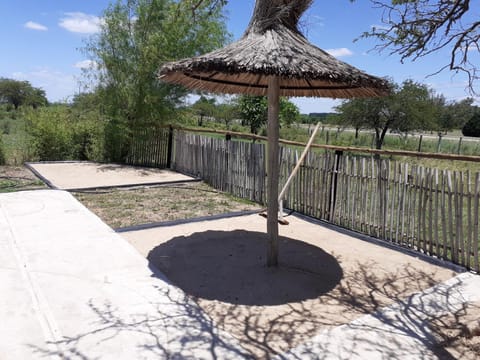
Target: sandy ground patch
x=80 y=175
x=459 y=333
x=325 y=278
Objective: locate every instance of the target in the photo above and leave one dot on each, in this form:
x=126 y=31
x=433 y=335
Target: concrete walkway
x=70 y=287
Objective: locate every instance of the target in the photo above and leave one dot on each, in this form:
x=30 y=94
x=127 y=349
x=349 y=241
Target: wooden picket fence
x=151 y=147
x=431 y=211
x=232 y=166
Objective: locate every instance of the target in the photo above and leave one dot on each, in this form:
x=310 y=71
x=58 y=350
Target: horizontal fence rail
x=432 y=211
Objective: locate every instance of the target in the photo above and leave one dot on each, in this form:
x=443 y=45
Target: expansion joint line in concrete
x=44 y=315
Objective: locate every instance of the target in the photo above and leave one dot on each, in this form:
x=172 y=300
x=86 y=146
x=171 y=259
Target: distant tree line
x=251 y=111
x=410 y=107
x=16 y=93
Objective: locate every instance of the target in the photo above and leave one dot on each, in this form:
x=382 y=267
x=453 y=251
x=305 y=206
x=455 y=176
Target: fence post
x=333 y=193
x=439 y=142
x=459 y=145
x=420 y=143
x=170 y=147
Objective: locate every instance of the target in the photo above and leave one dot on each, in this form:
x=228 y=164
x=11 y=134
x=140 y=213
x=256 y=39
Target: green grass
x=17 y=145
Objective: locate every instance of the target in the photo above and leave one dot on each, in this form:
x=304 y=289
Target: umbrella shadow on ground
x=230 y=266
x=271 y=311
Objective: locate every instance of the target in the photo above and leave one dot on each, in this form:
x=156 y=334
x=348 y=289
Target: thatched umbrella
x=273 y=58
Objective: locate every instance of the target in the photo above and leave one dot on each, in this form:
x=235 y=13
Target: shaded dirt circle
x=229 y=266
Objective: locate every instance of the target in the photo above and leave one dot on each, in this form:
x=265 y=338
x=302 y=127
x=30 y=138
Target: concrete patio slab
x=76 y=175
x=70 y=287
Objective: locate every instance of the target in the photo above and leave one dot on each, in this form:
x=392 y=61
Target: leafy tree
x=253 y=111
x=417 y=28
x=472 y=126
x=454 y=115
x=36 y=98
x=289 y=112
x=137 y=37
x=18 y=93
x=227 y=112
x=411 y=106
x=204 y=107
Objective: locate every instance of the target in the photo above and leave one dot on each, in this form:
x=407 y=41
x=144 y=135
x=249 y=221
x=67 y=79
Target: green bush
x=116 y=140
x=51 y=132
x=6 y=127
x=88 y=136
x=3 y=159
x=61 y=133
x=472 y=126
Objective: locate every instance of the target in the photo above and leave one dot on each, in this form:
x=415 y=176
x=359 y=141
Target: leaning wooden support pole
x=273 y=133
x=294 y=172
x=299 y=163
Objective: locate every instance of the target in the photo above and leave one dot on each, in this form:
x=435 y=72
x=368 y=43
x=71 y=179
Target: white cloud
x=85 y=64
x=82 y=23
x=339 y=52
x=58 y=86
x=35 y=26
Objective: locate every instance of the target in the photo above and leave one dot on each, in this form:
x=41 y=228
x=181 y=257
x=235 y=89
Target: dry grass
x=122 y=208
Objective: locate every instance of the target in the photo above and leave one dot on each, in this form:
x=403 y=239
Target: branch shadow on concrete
x=166 y=325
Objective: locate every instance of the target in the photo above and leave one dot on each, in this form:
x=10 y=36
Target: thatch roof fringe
x=273 y=46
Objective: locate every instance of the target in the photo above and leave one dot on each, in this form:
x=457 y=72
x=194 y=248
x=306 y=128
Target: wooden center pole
x=273 y=170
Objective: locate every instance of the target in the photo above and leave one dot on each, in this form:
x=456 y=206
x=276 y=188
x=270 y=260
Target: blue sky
x=41 y=42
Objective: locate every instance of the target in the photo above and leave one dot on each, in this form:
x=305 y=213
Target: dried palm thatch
x=273 y=45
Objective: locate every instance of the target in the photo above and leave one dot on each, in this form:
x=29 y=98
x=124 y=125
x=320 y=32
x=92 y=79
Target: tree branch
x=414 y=29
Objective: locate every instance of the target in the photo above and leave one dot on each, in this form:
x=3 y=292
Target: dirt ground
x=325 y=279
x=80 y=175
x=141 y=205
